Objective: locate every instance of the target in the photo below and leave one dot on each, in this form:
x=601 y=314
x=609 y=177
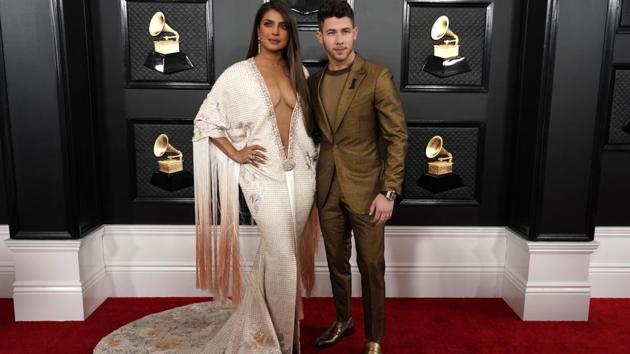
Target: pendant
x=288 y=164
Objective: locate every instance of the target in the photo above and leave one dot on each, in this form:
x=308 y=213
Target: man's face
x=337 y=35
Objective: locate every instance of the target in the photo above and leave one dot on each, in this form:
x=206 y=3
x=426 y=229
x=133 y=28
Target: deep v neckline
x=288 y=163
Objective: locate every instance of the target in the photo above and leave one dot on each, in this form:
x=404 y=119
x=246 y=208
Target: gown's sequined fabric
x=279 y=195
x=266 y=320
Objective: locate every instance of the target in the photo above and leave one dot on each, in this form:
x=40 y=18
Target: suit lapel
x=322 y=117
x=351 y=87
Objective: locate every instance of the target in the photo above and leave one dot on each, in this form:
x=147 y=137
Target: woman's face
x=273 y=32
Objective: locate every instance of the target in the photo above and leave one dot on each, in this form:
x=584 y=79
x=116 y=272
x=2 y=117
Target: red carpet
x=413 y=326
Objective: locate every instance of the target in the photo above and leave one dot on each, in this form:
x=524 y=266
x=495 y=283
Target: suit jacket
x=369 y=109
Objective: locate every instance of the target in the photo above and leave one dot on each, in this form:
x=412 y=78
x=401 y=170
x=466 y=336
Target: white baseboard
x=7 y=272
x=514 y=290
x=158 y=260
x=547 y=281
x=95 y=291
x=59 y=280
x=150 y=260
x=610 y=264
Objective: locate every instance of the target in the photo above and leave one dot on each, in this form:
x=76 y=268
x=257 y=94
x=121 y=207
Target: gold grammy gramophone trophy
x=440 y=160
x=165 y=57
x=439 y=176
x=173 y=161
x=445 y=60
x=171 y=175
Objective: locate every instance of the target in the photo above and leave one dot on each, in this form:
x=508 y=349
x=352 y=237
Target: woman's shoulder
x=236 y=70
x=234 y=77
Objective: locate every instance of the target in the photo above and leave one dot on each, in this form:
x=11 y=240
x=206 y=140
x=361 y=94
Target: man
x=355 y=103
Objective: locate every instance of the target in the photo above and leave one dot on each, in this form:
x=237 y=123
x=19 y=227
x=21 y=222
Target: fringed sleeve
x=216 y=186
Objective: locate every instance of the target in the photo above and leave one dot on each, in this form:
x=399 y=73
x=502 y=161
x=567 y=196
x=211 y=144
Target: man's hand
x=381 y=209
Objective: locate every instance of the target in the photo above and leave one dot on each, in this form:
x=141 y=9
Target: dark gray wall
x=380 y=39
x=21 y=25
x=383 y=42
x=48 y=137
x=566 y=204
x=119 y=108
x=545 y=154
x=557 y=160
x=4 y=115
x=614 y=182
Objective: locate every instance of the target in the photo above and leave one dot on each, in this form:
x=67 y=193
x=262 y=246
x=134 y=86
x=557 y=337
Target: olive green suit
x=351 y=171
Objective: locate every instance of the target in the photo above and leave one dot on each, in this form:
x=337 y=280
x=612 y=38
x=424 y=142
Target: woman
x=252 y=131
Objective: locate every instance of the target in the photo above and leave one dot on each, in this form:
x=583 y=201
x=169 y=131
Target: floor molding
x=547 y=281
x=158 y=260
x=58 y=280
x=7 y=270
x=425 y=261
x=610 y=264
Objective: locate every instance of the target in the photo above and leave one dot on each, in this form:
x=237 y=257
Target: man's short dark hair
x=334 y=8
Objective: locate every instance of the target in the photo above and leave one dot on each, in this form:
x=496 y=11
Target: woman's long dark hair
x=291 y=54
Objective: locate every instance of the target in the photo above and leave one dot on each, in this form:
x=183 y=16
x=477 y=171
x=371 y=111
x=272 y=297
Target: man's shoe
x=373 y=348
x=335 y=332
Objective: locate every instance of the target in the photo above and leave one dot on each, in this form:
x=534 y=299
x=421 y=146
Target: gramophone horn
x=158 y=25
x=161 y=146
x=435 y=148
x=440 y=29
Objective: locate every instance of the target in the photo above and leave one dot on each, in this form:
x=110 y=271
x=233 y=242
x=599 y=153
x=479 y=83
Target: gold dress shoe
x=335 y=332
x=372 y=348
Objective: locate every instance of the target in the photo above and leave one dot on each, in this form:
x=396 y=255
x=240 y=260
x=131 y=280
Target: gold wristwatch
x=390 y=195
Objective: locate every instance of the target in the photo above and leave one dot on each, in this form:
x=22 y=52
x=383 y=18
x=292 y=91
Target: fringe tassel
x=203 y=215
x=216 y=182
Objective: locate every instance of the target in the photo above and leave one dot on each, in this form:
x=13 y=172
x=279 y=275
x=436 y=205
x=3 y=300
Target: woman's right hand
x=253 y=155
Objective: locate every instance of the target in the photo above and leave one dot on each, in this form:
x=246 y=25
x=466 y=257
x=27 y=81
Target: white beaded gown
x=279 y=195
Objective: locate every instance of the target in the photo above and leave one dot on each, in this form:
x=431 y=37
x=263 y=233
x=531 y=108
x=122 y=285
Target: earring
x=258 y=45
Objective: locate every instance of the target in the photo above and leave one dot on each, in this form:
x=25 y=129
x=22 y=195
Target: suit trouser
x=337 y=220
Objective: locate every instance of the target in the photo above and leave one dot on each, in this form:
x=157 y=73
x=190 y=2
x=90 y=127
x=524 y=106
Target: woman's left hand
x=253 y=155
